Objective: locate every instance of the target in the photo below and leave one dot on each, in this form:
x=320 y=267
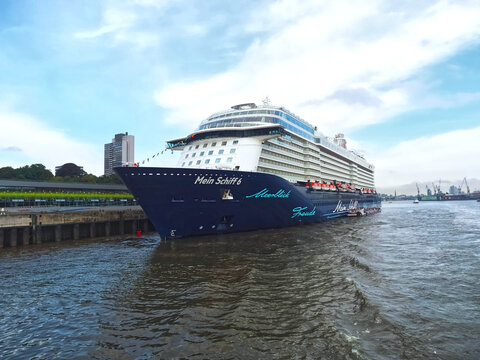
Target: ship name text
x=203 y=180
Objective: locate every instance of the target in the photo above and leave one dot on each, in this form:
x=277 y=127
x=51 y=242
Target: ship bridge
x=241 y=130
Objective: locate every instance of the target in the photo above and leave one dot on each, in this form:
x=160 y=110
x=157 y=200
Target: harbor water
x=401 y=284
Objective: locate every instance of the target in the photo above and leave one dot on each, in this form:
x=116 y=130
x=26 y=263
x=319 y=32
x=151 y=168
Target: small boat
x=416 y=201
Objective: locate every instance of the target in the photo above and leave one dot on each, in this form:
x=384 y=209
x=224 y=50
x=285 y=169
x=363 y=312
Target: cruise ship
x=253 y=167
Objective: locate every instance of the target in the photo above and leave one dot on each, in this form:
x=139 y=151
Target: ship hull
x=190 y=202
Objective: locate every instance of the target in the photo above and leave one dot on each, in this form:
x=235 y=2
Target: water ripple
x=400 y=284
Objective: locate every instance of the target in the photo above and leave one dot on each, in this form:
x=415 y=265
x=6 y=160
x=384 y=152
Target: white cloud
x=449 y=155
x=307 y=52
x=121 y=25
x=114 y=20
x=26 y=141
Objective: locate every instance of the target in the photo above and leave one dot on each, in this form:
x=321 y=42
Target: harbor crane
x=436 y=188
x=418 y=191
x=466 y=185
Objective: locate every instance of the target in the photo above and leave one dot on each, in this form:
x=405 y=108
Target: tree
x=89 y=178
x=70 y=169
x=7 y=173
x=39 y=172
x=110 y=179
x=33 y=172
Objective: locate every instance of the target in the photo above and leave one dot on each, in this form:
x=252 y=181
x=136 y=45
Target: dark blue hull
x=189 y=202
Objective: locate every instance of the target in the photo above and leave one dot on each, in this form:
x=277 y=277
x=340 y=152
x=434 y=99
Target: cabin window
x=202 y=153
x=220 y=152
x=232 y=151
x=224 y=143
x=214 y=144
x=235 y=142
x=217 y=160
x=183 y=164
x=205 y=145
x=210 y=152
x=229 y=159
x=189 y=163
x=207 y=161
x=196 y=147
x=186 y=156
x=193 y=155
x=198 y=162
x=190 y=148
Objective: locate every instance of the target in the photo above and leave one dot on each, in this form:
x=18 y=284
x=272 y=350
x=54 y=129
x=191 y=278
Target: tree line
x=38 y=172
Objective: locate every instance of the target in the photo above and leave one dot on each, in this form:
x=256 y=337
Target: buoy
x=139 y=233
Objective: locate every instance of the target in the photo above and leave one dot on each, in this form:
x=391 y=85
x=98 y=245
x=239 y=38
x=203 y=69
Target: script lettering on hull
x=265 y=193
x=301 y=211
x=340 y=207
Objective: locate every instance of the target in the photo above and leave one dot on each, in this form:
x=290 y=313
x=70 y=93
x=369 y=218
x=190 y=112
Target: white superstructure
x=271 y=139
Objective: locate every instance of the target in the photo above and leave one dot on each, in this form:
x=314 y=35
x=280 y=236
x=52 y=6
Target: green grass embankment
x=61 y=195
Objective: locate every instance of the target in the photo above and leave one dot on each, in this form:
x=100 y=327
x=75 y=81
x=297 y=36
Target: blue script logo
x=299 y=211
x=266 y=194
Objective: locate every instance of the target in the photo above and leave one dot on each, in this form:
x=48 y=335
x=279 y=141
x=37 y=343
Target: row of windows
x=285 y=174
x=266 y=162
x=286 y=124
x=207 y=161
x=224 y=143
x=292 y=145
x=220 y=152
x=282 y=114
x=280 y=156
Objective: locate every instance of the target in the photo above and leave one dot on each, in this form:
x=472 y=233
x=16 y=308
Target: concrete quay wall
x=39 y=227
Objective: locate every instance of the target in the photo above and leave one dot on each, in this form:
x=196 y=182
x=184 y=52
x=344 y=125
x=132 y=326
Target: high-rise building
x=120 y=152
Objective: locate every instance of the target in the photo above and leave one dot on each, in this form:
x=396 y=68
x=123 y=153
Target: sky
x=401 y=79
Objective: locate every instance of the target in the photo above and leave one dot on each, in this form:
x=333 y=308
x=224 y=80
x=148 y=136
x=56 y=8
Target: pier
x=31 y=227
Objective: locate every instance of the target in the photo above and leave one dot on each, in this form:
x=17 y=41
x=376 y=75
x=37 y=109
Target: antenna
x=266 y=101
